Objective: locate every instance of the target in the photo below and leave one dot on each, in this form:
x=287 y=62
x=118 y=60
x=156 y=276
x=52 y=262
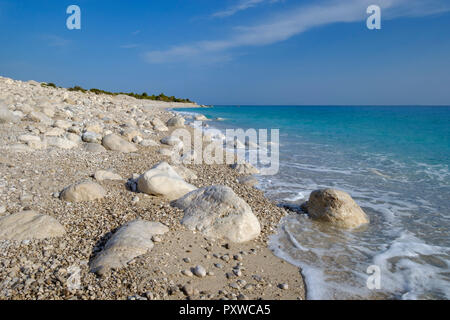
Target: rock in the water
x=200 y=117
x=176 y=121
x=245 y=168
x=29 y=225
x=83 y=191
x=336 y=207
x=163 y=180
x=115 y=143
x=219 y=213
x=130 y=241
x=102 y=175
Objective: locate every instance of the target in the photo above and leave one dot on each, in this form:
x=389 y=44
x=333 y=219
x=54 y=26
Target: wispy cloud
x=240 y=6
x=285 y=25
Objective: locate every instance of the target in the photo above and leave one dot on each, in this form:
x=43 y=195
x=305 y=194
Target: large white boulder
x=176 y=121
x=29 y=225
x=163 y=180
x=336 y=207
x=83 y=191
x=219 y=213
x=115 y=143
x=130 y=241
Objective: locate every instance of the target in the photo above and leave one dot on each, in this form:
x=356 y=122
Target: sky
x=246 y=52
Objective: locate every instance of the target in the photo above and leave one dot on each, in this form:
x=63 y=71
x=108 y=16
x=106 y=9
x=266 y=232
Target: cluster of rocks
x=95 y=192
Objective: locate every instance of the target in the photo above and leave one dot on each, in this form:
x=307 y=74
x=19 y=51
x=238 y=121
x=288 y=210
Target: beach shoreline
x=33 y=178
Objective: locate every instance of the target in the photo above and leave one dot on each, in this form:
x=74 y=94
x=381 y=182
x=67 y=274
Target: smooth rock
x=217 y=212
x=116 y=143
x=336 y=207
x=171 y=141
x=163 y=180
x=83 y=191
x=166 y=152
x=244 y=168
x=102 y=175
x=248 y=181
x=176 y=121
x=91 y=137
x=199 y=271
x=28 y=225
x=61 y=143
x=200 y=117
x=149 y=143
x=94 y=148
x=130 y=241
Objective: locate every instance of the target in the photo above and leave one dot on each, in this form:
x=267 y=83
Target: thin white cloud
x=241 y=6
x=288 y=24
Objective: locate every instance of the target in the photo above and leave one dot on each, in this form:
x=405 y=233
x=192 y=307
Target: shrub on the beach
x=143 y=96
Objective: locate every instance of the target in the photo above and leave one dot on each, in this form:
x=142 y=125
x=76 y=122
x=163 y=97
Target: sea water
x=394 y=161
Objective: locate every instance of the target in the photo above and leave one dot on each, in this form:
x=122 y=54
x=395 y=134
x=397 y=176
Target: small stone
x=187 y=273
x=225 y=258
x=237 y=257
x=188 y=289
x=234 y=285
x=135 y=199
x=237 y=272
x=199 y=271
x=283 y=286
x=187 y=260
x=156 y=239
x=149 y=295
x=2 y=209
x=218 y=265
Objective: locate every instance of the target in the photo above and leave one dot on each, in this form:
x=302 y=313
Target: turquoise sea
x=394 y=161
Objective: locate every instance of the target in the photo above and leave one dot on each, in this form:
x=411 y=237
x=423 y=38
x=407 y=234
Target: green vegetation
x=143 y=96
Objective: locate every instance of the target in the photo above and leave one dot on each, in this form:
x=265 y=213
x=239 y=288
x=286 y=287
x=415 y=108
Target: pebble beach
x=73 y=163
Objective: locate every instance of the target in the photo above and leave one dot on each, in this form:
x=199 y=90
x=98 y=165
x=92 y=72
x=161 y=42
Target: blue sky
x=236 y=51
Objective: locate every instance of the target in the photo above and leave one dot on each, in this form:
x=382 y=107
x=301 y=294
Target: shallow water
x=394 y=161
